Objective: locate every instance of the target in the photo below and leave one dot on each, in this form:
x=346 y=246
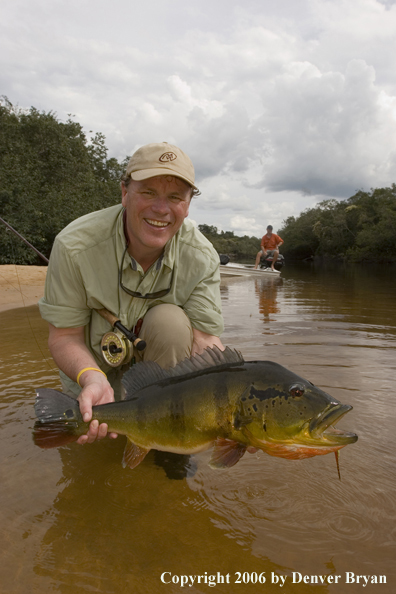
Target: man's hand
x=202 y=341
x=70 y=353
x=96 y=390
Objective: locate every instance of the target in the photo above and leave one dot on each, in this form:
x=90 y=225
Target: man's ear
x=124 y=192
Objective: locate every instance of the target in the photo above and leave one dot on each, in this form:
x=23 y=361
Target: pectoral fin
x=226 y=453
x=133 y=454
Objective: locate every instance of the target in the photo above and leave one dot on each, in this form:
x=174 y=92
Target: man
x=270 y=244
x=141 y=261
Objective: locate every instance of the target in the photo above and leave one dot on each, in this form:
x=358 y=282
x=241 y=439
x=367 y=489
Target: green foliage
x=49 y=175
x=298 y=234
x=360 y=228
x=225 y=242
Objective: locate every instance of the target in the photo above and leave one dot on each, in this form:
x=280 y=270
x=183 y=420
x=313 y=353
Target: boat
x=228 y=268
x=234 y=269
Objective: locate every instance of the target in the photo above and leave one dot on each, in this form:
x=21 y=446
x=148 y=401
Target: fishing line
x=19 y=288
x=30 y=324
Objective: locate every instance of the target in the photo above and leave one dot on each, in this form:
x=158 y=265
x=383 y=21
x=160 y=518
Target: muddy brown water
x=73 y=520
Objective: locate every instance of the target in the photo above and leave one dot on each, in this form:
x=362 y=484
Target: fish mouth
x=322 y=427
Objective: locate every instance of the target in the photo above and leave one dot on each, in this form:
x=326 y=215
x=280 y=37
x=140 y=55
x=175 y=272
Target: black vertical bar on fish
x=25 y=240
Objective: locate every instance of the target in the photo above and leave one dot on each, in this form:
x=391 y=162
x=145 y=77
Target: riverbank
x=21 y=286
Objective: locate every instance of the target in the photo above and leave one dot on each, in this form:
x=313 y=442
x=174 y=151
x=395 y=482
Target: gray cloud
x=337 y=134
x=278 y=104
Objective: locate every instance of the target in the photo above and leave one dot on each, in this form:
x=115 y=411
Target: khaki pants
x=168 y=334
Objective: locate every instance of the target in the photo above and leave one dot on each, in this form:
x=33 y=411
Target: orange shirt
x=271 y=243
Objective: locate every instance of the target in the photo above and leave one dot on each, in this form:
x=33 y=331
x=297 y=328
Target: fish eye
x=296 y=390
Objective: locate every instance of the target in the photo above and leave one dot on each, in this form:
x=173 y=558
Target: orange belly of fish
x=297 y=451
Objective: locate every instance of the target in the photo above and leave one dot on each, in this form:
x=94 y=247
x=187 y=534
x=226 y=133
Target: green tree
x=376 y=225
x=208 y=230
x=300 y=237
x=226 y=242
x=49 y=175
x=360 y=228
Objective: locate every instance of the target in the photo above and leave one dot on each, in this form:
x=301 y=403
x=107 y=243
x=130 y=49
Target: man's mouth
x=157 y=223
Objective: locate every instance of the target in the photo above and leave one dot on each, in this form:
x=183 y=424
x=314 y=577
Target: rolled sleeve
x=204 y=306
x=64 y=304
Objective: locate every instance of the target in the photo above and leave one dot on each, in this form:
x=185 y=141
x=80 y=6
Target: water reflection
x=74 y=519
x=117 y=531
x=267 y=291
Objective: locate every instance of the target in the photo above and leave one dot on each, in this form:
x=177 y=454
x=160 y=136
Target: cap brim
x=147 y=173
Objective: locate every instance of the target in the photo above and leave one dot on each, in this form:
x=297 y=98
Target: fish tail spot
x=53 y=434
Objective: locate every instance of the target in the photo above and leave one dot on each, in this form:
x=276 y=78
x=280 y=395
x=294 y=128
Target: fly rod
x=25 y=240
x=111 y=346
x=116 y=351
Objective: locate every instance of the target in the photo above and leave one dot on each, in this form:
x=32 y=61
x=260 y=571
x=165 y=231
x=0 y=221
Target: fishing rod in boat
x=117 y=345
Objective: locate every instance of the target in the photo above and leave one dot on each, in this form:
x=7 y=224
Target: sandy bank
x=21 y=286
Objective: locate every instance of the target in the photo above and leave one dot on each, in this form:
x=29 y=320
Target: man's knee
x=165 y=321
x=168 y=333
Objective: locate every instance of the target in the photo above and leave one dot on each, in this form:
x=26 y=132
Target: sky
x=280 y=104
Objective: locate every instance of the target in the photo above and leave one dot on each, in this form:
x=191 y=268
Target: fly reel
x=116 y=348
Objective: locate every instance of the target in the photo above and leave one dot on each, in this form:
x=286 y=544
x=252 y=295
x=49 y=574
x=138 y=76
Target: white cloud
x=245 y=225
x=278 y=104
x=340 y=134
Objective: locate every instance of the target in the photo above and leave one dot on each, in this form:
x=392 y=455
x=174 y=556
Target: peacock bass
x=215 y=399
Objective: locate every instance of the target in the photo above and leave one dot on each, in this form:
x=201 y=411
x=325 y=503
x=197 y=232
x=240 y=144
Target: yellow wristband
x=87 y=369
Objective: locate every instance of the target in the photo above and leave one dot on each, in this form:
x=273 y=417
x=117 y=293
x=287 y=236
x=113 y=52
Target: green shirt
x=83 y=276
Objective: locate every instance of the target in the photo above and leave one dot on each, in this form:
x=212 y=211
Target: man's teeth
x=157 y=223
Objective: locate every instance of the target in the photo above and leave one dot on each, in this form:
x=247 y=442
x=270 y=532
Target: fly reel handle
x=138 y=343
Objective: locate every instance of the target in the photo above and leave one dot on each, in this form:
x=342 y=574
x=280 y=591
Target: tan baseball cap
x=161 y=158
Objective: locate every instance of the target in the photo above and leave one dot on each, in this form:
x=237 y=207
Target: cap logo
x=167 y=157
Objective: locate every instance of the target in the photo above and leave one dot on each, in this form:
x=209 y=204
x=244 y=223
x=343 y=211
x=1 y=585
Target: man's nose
x=160 y=204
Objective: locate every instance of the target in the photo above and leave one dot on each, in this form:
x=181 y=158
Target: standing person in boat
x=143 y=262
x=270 y=244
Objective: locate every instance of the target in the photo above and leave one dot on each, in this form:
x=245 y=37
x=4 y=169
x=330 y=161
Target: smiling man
x=144 y=263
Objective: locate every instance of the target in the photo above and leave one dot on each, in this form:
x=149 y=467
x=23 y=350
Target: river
x=73 y=520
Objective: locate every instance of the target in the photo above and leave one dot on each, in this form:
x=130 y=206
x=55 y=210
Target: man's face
x=156 y=208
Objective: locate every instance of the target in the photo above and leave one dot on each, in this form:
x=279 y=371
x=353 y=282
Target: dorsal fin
x=142 y=375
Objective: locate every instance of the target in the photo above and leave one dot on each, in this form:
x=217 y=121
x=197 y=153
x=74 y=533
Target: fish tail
x=59 y=420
